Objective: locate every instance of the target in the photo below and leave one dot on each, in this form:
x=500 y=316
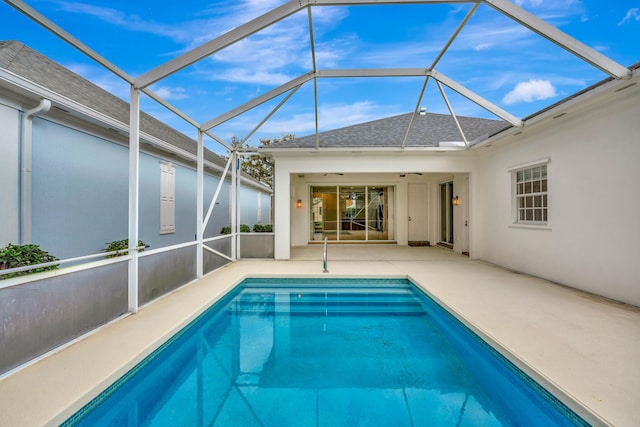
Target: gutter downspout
x=26 y=154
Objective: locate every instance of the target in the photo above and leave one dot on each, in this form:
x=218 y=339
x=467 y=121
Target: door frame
x=445 y=213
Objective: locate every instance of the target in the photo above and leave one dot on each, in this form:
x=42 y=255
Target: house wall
x=592 y=242
x=80 y=191
x=9 y=174
x=249 y=210
x=294 y=175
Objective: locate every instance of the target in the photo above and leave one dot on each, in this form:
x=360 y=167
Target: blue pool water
x=325 y=352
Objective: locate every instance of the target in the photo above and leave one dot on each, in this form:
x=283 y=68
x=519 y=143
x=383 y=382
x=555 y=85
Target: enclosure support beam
x=415 y=111
x=453 y=114
x=233 y=201
x=277 y=107
x=200 y=207
x=219 y=43
x=236 y=199
x=134 y=185
x=55 y=29
x=257 y=101
x=216 y=194
x=454 y=35
x=473 y=97
x=560 y=38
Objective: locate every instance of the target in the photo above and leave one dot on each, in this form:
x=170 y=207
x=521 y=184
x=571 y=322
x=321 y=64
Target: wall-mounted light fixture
x=455 y=201
x=299 y=204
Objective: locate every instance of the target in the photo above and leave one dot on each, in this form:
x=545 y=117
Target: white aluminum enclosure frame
x=140 y=85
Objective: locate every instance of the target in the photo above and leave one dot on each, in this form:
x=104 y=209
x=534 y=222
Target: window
x=167 y=198
x=531 y=202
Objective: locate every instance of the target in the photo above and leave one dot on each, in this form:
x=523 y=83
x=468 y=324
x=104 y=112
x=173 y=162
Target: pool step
x=301 y=303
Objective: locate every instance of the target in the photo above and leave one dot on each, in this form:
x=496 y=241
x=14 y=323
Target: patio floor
x=581 y=346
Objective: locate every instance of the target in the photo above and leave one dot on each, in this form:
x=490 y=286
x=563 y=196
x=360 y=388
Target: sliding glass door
x=352 y=213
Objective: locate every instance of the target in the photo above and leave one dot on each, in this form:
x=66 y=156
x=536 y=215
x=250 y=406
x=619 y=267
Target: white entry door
x=418 y=231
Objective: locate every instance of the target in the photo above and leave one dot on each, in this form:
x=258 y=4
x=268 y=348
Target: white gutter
x=26 y=142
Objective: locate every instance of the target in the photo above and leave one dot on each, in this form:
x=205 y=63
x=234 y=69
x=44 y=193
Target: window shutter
x=167 y=198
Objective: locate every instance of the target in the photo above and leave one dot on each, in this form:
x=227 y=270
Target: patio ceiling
x=425 y=69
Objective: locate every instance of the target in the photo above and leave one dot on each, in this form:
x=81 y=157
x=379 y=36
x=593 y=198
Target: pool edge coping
x=566 y=398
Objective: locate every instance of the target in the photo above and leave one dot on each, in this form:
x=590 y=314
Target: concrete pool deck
x=583 y=346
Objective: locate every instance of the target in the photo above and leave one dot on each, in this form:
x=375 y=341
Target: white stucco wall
x=80 y=190
x=9 y=174
x=593 y=239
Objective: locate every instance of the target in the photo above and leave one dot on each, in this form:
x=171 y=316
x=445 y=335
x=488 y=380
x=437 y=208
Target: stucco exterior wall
x=9 y=174
x=80 y=191
x=593 y=239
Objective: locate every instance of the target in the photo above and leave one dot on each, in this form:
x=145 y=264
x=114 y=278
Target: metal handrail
x=324 y=257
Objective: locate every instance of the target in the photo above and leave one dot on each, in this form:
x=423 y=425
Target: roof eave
x=356 y=150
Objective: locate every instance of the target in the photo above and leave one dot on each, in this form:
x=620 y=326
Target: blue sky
x=493 y=56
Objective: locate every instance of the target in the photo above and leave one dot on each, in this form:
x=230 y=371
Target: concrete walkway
x=583 y=348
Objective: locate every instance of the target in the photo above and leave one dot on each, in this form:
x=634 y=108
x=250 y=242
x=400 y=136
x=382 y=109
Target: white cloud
x=633 y=14
x=106 y=14
x=533 y=3
x=171 y=93
x=129 y=22
x=252 y=76
x=532 y=90
x=493 y=33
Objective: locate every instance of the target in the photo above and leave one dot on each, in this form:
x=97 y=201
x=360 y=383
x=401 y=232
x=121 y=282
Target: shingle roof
x=427 y=130
x=24 y=61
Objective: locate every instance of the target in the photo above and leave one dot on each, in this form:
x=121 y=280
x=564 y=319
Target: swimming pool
x=325 y=352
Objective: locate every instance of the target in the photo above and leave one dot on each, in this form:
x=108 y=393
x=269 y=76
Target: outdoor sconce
x=455 y=201
x=299 y=204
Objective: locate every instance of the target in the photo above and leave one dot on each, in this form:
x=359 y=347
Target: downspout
x=26 y=160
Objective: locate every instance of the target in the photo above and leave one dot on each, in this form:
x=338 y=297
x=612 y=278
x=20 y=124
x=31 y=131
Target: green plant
x=267 y=228
x=244 y=228
x=122 y=245
x=12 y=256
x=225 y=230
x=257 y=228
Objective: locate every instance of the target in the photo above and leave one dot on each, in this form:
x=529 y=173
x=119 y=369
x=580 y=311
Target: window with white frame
x=167 y=198
x=531 y=199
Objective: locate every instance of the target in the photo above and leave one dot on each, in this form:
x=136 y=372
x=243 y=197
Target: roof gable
x=427 y=130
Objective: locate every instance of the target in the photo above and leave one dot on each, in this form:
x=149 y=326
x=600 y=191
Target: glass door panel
x=324 y=213
x=378 y=211
x=353 y=213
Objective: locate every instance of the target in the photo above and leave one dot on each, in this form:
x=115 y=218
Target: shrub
x=244 y=228
x=122 y=245
x=13 y=256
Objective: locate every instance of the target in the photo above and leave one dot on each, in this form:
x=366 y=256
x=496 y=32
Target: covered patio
x=581 y=347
